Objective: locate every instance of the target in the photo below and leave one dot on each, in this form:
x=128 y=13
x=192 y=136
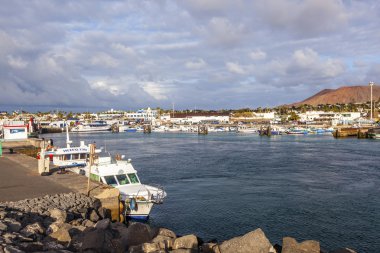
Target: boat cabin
x=116 y=174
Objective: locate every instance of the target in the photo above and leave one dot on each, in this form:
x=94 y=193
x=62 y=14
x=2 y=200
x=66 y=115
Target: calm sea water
x=224 y=185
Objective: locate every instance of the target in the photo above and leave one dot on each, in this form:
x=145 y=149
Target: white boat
x=374 y=133
x=96 y=126
x=70 y=156
x=127 y=128
x=138 y=199
x=243 y=129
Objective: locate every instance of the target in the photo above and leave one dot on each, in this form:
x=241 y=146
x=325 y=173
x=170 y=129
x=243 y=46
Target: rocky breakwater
x=77 y=223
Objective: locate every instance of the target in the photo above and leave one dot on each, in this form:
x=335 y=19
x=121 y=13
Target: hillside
x=342 y=95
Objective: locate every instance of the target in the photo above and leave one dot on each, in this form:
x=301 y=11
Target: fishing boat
x=96 y=126
x=246 y=130
x=138 y=199
x=374 y=133
x=128 y=129
x=69 y=156
x=297 y=130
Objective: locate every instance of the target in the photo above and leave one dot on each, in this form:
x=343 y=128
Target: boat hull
x=374 y=136
x=141 y=212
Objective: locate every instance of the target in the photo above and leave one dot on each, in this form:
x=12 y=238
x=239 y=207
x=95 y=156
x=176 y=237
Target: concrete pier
x=20 y=180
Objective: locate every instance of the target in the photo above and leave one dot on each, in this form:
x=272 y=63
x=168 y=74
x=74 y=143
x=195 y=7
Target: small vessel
x=297 y=130
x=374 y=133
x=96 y=126
x=246 y=130
x=138 y=199
x=70 y=156
x=128 y=129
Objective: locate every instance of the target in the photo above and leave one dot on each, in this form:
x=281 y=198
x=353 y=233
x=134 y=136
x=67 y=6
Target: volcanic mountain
x=342 y=95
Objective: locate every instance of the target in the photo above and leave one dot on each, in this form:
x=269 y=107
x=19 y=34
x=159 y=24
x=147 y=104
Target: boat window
x=82 y=156
x=122 y=179
x=133 y=178
x=110 y=180
x=67 y=157
x=75 y=156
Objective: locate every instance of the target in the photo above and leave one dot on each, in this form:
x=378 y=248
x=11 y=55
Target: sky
x=193 y=54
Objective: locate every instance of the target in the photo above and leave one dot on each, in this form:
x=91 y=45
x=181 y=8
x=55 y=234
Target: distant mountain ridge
x=342 y=95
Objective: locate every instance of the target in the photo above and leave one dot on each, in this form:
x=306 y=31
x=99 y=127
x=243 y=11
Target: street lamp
x=371 y=85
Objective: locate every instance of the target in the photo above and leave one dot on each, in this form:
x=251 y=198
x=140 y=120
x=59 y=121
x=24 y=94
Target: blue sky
x=208 y=54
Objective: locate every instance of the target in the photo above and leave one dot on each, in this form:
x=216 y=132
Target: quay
x=360 y=133
x=20 y=180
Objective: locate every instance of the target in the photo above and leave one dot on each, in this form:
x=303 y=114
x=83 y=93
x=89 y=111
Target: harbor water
x=223 y=185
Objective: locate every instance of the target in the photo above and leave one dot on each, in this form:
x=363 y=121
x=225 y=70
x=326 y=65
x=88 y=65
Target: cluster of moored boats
x=99 y=126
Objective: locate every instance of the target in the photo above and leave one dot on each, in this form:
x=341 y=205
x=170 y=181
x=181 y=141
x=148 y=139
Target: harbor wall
x=74 y=222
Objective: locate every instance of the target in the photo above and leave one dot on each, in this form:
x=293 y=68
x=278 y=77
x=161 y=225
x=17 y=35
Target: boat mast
x=68 y=142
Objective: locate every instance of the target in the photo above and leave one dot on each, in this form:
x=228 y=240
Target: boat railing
x=157 y=194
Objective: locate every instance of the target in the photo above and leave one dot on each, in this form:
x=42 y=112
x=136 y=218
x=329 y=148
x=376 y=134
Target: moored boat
x=374 y=133
x=96 y=126
x=138 y=199
x=296 y=130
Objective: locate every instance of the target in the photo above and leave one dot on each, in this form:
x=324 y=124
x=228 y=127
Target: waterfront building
x=111 y=114
x=147 y=115
x=15 y=130
x=197 y=118
x=258 y=117
x=332 y=118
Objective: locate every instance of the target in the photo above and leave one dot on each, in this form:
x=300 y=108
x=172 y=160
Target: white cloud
x=156 y=90
x=258 y=55
x=104 y=60
x=104 y=86
x=124 y=49
x=196 y=64
x=17 y=62
x=308 y=61
x=221 y=31
x=303 y=18
x=235 y=68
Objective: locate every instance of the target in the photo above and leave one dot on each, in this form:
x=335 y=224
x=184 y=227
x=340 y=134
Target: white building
x=264 y=115
x=110 y=114
x=15 y=130
x=330 y=117
x=143 y=115
x=196 y=118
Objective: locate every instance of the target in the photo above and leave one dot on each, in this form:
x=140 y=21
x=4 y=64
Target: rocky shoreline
x=76 y=223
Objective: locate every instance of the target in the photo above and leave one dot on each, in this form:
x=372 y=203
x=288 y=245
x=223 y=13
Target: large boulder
x=290 y=245
x=210 y=248
x=94 y=217
x=103 y=224
x=31 y=246
x=150 y=247
x=166 y=232
x=184 y=251
x=186 y=242
x=33 y=229
x=3 y=227
x=100 y=240
x=13 y=225
x=343 y=250
x=62 y=235
x=59 y=215
x=252 y=242
x=138 y=233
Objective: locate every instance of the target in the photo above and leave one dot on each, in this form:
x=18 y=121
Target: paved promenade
x=19 y=179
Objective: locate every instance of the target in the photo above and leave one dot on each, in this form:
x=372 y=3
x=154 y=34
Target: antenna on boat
x=68 y=142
